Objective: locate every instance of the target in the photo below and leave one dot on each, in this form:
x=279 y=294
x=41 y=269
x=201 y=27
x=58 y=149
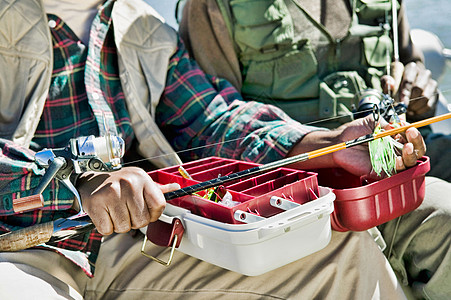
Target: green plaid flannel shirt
x=200 y=115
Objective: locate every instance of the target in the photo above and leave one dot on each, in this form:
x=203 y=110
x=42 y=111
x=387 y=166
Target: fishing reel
x=82 y=154
x=87 y=153
x=371 y=101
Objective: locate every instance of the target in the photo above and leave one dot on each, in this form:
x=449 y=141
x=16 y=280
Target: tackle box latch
x=165 y=235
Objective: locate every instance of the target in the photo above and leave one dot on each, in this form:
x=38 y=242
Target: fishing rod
x=397 y=68
x=65 y=227
x=300 y=158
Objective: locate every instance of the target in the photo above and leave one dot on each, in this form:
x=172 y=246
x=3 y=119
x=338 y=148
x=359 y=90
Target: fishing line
x=242 y=138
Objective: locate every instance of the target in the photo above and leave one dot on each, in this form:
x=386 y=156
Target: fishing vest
x=290 y=60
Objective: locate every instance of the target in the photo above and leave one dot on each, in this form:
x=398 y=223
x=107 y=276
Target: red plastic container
x=360 y=205
x=253 y=193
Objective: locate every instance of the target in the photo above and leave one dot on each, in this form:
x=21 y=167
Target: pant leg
x=39 y=274
x=419 y=243
x=350 y=267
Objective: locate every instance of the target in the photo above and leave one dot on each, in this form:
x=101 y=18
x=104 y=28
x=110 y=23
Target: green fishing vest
x=290 y=60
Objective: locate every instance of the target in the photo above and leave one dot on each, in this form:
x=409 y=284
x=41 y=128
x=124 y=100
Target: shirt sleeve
x=19 y=175
x=206 y=116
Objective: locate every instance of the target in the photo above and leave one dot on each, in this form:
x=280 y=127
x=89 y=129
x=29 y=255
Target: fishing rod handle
x=397 y=71
x=26 y=237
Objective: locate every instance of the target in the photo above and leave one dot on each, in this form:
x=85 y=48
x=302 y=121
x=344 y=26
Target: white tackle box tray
x=260 y=246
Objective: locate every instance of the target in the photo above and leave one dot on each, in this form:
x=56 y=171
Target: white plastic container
x=256 y=248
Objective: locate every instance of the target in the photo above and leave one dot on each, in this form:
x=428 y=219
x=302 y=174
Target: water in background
x=433 y=16
x=166 y=8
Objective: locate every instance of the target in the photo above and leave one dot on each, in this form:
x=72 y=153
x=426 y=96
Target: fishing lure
x=218 y=193
x=215 y=194
x=383 y=150
x=382 y=154
x=184 y=173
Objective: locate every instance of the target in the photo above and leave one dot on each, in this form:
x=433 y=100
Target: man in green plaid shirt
x=69 y=68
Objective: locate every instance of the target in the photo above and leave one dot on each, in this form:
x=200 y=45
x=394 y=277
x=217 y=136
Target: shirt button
x=52 y=23
x=95 y=96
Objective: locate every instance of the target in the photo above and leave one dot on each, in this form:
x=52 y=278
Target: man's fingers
x=165 y=188
x=154 y=199
x=414 y=137
x=429 y=100
x=419 y=85
x=410 y=73
x=414 y=149
x=102 y=222
x=430 y=91
x=388 y=84
x=400 y=164
x=409 y=77
x=121 y=218
x=138 y=212
x=409 y=156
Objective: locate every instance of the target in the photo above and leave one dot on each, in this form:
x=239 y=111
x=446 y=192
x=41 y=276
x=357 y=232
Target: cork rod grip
x=397 y=69
x=26 y=237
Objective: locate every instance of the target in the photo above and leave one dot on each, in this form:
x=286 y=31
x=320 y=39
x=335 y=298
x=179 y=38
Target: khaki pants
x=419 y=243
x=350 y=267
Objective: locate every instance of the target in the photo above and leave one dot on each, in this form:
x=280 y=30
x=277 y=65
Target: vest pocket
x=337 y=95
x=291 y=76
x=261 y=24
x=377 y=50
x=372 y=10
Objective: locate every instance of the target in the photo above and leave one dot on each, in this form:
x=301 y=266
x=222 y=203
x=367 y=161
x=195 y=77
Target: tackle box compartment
x=251 y=193
x=361 y=204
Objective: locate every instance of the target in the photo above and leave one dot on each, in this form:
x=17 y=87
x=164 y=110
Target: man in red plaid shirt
x=70 y=67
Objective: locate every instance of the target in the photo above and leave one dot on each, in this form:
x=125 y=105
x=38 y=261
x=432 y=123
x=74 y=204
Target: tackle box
x=361 y=204
x=282 y=216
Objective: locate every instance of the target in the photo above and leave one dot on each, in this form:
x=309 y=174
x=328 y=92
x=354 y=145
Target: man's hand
x=356 y=159
x=418 y=91
x=122 y=200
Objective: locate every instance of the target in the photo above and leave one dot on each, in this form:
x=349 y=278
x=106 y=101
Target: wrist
x=313 y=141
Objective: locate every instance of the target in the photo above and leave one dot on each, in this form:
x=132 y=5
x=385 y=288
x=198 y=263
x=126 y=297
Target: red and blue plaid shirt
x=196 y=111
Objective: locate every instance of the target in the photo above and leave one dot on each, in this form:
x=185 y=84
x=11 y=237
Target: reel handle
x=28 y=203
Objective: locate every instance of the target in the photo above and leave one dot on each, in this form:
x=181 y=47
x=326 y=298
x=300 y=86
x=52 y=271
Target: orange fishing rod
x=372 y=137
x=300 y=158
